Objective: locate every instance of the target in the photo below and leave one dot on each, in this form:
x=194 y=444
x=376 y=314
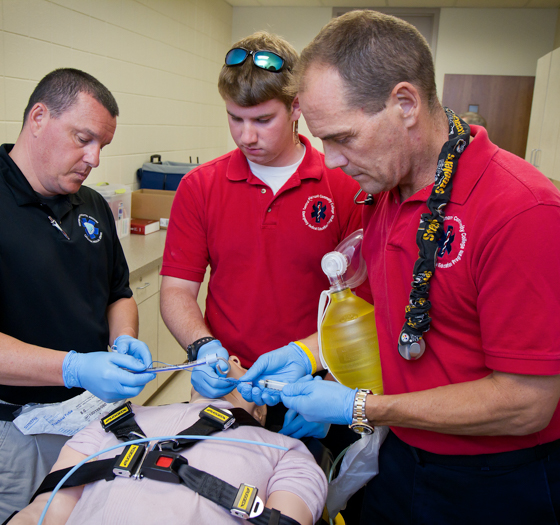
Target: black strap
x=223 y=494
x=205 y=427
x=87 y=473
x=7 y=411
x=275 y=516
x=429 y=233
x=207 y=485
x=103 y=469
x=128 y=430
x=122 y=424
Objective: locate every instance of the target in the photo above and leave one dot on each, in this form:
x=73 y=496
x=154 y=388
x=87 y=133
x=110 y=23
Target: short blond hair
x=247 y=85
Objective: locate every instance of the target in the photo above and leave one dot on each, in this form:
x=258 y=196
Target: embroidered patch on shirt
x=92 y=232
x=318 y=212
x=451 y=245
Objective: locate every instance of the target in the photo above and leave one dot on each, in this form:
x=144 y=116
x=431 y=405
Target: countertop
x=143 y=251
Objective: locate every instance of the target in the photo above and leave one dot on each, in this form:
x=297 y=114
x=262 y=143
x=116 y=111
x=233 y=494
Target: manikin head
x=234 y=397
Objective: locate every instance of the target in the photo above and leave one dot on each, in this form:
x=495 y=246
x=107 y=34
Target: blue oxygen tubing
x=147 y=440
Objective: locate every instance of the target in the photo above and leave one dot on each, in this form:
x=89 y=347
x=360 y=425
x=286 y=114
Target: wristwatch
x=360 y=424
x=193 y=348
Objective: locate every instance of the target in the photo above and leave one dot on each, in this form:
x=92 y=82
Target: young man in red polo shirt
x=262 y=216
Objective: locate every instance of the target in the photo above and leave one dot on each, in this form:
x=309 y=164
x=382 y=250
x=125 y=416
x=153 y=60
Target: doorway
x=504 y=101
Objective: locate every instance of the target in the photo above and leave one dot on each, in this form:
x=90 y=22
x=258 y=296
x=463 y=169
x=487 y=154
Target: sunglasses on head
x=266 y=60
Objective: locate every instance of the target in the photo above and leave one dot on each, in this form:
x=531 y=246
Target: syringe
x=273 y=385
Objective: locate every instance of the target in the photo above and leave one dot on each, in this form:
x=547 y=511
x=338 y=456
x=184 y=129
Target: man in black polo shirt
x=64 y=293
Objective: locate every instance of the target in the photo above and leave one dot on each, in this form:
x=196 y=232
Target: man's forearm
x=499 y=404
x=180 y=311
x=312 y=343
x=29 y=365
x=123 y=319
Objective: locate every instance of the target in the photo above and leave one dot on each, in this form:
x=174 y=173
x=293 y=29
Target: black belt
x=7 y=411
x=499 y=459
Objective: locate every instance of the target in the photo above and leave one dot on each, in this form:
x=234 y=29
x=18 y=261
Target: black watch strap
x=193 y=348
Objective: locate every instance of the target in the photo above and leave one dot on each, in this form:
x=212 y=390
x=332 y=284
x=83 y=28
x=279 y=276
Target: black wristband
x=193 y=348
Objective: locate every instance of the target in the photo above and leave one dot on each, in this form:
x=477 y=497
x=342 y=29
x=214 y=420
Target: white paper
x=65 y=418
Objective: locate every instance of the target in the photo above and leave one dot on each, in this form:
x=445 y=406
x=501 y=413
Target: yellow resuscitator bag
x=348 y=343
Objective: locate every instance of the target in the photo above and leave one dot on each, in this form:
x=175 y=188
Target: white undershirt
x=275 y=177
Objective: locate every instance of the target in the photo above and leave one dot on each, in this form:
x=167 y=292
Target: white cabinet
x=148 y=311
x=145 y=284
x=145 y=290
x=543 y=141
x=144 y=257
x=170 y=351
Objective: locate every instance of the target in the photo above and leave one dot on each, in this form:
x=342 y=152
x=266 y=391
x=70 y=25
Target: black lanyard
x=411 y=343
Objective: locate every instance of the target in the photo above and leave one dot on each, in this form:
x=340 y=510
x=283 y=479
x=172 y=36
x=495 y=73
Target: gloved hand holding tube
x=320 y=401
x=108 y=375
x=286 y=364
x=126 y=344
x=296 y=426
x=205 y=379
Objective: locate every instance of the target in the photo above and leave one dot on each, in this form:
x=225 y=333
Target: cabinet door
x=551 y=120
x=148 y=313
x=170 y=351
x=538 y=108
x=144 y=285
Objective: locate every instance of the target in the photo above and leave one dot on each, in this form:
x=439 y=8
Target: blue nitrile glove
x=318 y=400
x=205 y=379
x=104 y=374
x=286 y=364
x=296 y=426
x=126 y=344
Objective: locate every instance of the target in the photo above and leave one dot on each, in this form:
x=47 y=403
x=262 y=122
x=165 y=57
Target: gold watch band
x=360 y=423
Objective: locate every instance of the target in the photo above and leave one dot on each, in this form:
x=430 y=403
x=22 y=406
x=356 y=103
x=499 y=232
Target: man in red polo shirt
x=457 y=240
x=262 y=216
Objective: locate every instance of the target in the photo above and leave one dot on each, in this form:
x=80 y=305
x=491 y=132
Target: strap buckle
x=220 y=417
x=169 y=444
x=247 y=504
x=129 y=462
x=163 y=466
x=136 y=462
x=117 y=416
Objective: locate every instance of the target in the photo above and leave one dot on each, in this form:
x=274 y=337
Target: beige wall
x=557 y=35
x=493 y=41
x=470 y=41
x=160 y=58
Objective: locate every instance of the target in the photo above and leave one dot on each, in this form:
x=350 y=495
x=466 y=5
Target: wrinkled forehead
x=91 y=118
x=323 y=101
